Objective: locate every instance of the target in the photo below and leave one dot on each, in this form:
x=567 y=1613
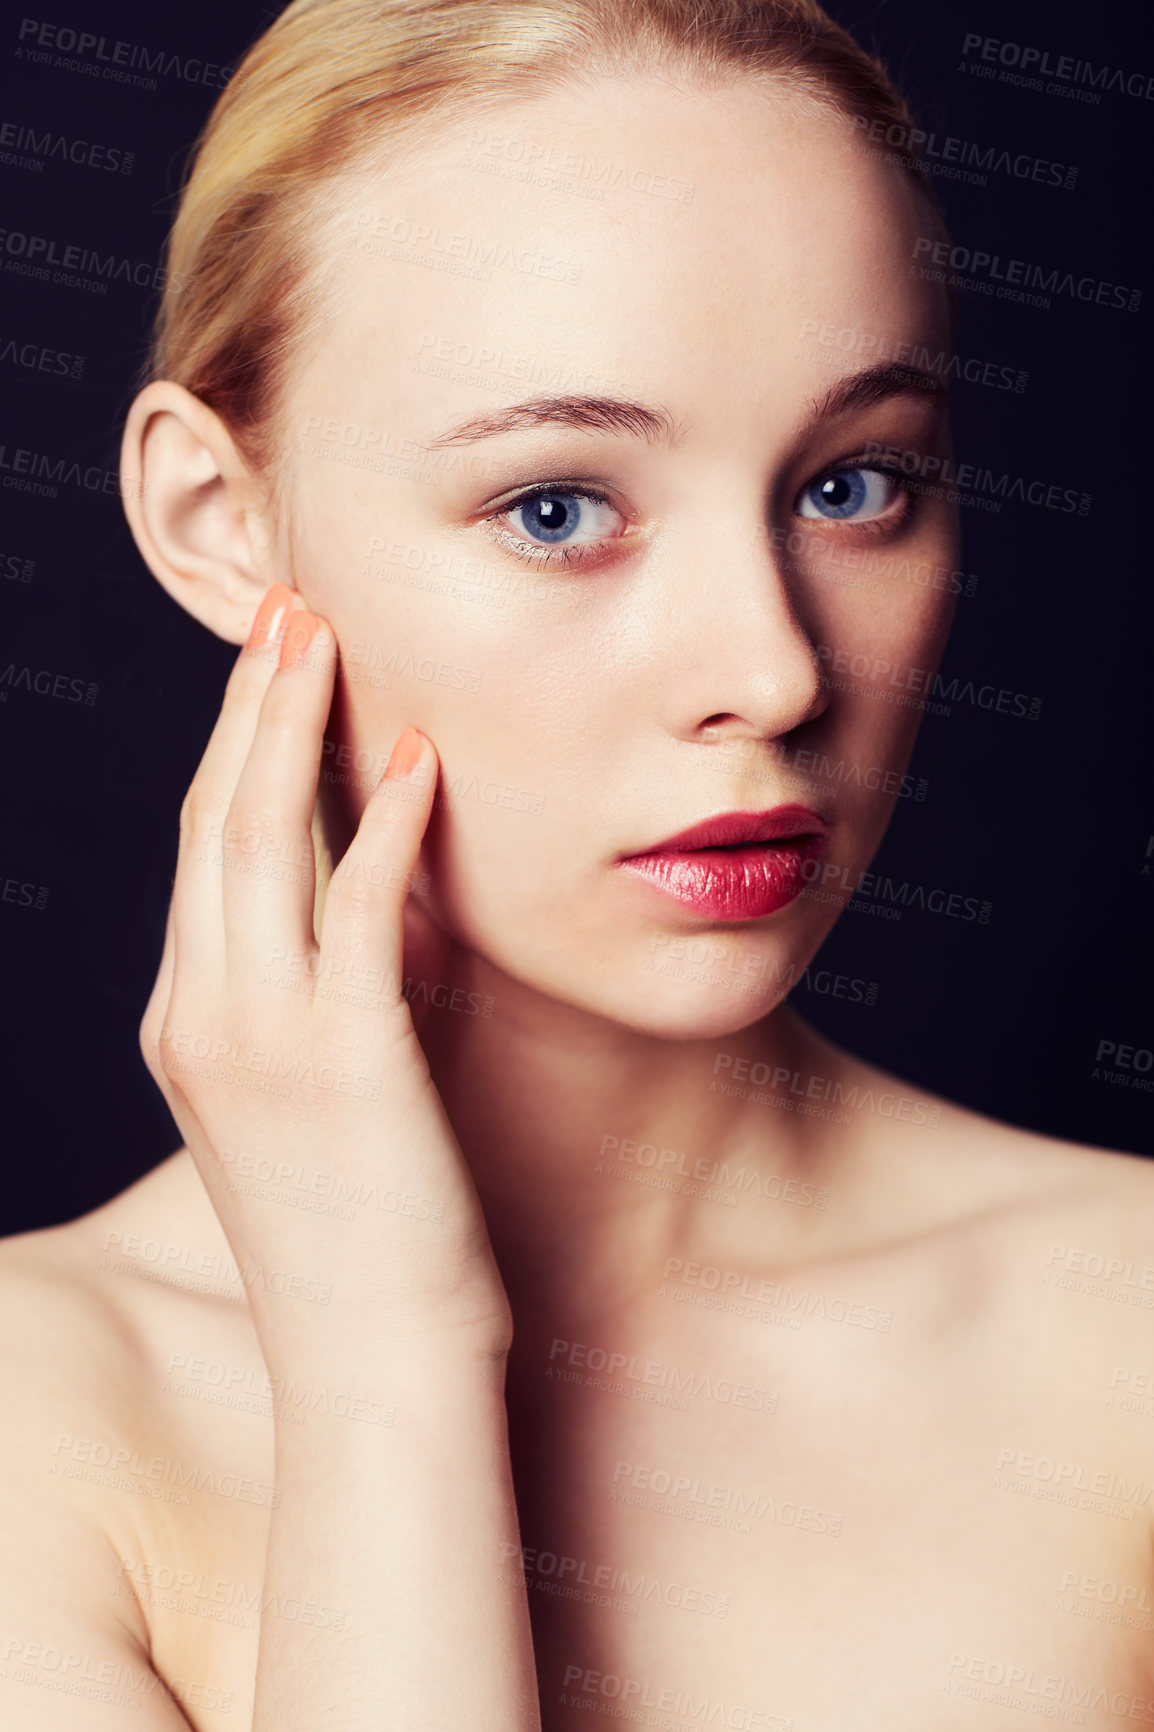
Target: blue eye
x=855 y=494
x=558 y=517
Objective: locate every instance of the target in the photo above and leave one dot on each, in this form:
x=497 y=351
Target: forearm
x=404 y=1526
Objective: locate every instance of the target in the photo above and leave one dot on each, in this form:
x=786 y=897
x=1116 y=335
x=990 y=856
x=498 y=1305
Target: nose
x=740 y=663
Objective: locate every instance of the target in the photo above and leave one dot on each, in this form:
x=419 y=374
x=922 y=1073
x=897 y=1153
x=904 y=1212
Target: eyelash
x=542 y=554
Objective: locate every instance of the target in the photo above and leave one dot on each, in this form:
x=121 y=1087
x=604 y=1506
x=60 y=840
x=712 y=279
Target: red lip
x=737 y=866
x=729 y=829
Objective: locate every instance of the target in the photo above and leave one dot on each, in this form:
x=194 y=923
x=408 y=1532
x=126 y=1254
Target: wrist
x=384 y=1396
x=327 y=1336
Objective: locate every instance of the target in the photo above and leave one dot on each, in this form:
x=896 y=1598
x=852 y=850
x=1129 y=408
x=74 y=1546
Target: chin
x=700 y=1004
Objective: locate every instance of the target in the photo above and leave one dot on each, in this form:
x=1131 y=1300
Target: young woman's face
x=616 y=627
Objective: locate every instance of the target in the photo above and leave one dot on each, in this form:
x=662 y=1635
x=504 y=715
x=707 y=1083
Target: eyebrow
x=876 y=385
x=657 y=425
x=589 y=414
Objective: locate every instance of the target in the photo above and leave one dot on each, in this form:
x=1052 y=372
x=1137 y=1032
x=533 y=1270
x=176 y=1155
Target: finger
x=270 y=874
x=197 y=898
x=363 y=922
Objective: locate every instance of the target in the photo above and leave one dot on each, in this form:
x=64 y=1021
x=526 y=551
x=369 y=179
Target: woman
x=540 y=1319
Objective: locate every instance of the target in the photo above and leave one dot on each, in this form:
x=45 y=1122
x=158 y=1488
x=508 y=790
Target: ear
x=196 y=511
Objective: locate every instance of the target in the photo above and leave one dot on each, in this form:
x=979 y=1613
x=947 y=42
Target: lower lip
x=731 y=883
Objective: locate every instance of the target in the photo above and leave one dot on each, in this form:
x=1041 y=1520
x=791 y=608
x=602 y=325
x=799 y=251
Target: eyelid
x=582 y=489
x=545 y=490
x=863 y=460
x=870 y=463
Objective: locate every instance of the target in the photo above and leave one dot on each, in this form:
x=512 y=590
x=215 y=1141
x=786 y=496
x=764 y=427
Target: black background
x=1049 y=821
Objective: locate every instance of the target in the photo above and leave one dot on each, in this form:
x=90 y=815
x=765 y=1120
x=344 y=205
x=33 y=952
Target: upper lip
x=731 y=828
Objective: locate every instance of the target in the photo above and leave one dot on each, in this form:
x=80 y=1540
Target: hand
x=292 y=1066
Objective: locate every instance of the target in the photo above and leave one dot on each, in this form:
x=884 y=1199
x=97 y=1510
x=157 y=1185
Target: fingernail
x=404 y=754
x=299 y=633
x=269 y=615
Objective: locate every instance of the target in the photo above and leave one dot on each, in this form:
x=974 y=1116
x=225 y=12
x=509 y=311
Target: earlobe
x=194 y=508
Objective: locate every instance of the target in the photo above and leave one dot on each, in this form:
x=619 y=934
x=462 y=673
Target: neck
x=598 y=1147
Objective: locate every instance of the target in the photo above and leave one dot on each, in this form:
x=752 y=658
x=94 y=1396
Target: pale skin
x=506 y=1238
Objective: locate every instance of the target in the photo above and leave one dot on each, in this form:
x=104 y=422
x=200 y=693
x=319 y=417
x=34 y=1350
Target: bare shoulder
x=955 y=1166
x=66 y=1368
x=1047 y=1182
x=70 y=1358
x=1059 y=1277
x=1033 y=1257
x=1049 y=1241
x=97 y=1301
x=76 y=1647
x=120 y=1467
x=1086 y=1222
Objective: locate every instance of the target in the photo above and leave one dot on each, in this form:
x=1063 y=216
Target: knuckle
x=280 y=712
x=356 y=889
x=292 y=709
x=251 y=673
x=250 y=829
x=167 y=1054
x=189 y=1053
x=150 y=1043
x=199 y=813
x=386 y=814
x=152 y=1023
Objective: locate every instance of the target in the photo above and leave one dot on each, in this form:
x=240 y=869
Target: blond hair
x=333 y=82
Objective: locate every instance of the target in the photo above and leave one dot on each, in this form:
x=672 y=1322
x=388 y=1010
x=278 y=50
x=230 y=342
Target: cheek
x=502 y=727
x=884 y=624
x=880 y=656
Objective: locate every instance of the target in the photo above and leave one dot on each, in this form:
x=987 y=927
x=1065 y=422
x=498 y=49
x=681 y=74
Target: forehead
x=628 y=232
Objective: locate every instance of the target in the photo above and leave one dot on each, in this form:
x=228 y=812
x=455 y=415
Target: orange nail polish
x=299 y=633
x=405 y=754
x=276 y=602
